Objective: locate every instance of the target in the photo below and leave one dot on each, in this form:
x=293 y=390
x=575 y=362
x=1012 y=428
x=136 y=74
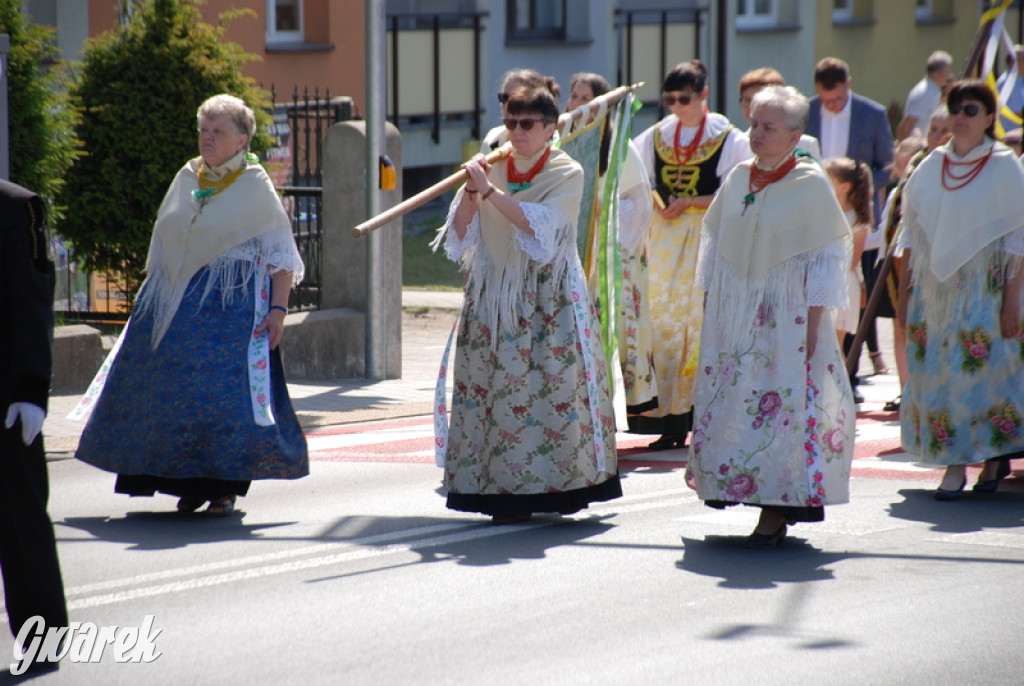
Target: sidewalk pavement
x=427 y=320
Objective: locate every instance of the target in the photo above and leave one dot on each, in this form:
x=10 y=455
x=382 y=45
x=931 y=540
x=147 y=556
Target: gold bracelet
x=488 y=193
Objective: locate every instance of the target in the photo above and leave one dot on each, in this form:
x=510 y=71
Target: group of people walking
x=761 y=249
x=745 y=255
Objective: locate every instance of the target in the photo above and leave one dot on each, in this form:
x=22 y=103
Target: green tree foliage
x=40 y=126
x=136 y=94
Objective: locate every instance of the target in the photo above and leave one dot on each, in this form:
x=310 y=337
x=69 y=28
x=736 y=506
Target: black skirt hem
x=645 y=406
x=563 y=502
x=677 y=424
x=195 y=487
x=792 y=513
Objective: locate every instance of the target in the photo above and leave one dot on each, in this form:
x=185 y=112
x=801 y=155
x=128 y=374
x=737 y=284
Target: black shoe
x=893 y=405
x=947 y=494
x=761 y=541
x=992 y=485
x=668 y=442
x=858 y=397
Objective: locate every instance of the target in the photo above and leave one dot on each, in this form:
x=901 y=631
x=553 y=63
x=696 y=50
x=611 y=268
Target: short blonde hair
x=240 y=114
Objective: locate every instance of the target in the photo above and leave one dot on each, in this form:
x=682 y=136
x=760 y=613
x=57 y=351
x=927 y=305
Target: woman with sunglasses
x=774 y=409
x=686 y=156
x=960 y=298
x=532 y=427
x=513 y=79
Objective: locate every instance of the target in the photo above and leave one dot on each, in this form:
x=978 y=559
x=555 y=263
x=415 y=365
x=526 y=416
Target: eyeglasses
x=503 y=98
x=970 y=109
x=683 y=100
x=525 y=124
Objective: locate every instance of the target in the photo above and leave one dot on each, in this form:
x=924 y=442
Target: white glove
x=32 y=417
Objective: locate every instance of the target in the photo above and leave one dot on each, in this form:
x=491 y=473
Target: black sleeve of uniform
x=28 y=284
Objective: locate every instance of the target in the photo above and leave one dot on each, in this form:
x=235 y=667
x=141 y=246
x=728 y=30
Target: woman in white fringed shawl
x=961 y=300
x=774 y=414
x=532 y=427
x=194 y=401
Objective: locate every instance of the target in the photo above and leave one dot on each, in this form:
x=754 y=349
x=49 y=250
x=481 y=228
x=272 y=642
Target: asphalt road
x=359 y=575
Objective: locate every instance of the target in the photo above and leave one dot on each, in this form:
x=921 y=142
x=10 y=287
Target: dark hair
x=598 y=84
x=764 y=76
x=858 y=175
x=692 y=75
x=534 y=101
x=974 y=89
x=831 y=72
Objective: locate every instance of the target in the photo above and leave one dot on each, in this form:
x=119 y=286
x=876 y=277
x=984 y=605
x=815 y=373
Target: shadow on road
x=972 y=512
x=465 y=543
x=165 y=530
x=795 y=561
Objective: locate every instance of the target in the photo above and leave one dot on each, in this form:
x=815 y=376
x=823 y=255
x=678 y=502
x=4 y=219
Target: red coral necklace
x=519 y=181
x=691 y=147
x=761 y=179
x=973 y=169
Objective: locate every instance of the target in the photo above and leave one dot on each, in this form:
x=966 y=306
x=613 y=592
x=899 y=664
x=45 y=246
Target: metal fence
x=299 y=178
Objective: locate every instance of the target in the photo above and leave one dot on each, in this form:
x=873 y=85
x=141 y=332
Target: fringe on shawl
x=815 y=278
x=232 y=272
x=502 y=299
x=949 y=300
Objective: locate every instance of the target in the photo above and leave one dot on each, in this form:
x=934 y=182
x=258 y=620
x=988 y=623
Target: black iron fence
x=299 y=128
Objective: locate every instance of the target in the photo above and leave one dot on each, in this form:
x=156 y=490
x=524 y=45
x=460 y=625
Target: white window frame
x=746 y=17
x=275 y=36
x=845 y=14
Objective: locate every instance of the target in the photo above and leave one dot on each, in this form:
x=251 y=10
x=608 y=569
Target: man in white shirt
x=927 y=94
x=850 y=125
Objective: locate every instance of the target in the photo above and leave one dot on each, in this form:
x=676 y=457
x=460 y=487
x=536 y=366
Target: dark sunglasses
x=503 y=98
x=970 y=109
x=683 y=100
x=525 y=124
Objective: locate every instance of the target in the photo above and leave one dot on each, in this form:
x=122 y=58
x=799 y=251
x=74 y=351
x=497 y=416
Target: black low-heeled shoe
x=668 y=442
x=947 y=494
x=992 y=485
x=761 y=541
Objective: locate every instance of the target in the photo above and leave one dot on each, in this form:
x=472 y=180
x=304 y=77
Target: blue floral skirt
x=183 y=411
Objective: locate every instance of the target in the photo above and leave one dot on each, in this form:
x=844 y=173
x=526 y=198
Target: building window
x=853 y=11
x=756 y=13
x=284 y=21
x=842 y=10
x=934 y=11
x=536 y=20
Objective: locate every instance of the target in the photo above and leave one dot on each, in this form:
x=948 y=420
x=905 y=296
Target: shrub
x=136 y=94
x=40 y=127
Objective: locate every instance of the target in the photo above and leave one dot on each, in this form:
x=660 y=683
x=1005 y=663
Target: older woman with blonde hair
x=774 y=415
x=195 y=404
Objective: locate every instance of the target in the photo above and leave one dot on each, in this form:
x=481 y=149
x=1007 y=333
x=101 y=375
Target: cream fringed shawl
x=947 y=229
x=959 y=223
x=795 y=216
x=191 y=233
x=498 y=265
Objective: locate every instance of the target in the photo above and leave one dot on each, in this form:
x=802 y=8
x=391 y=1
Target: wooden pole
x=565 y=121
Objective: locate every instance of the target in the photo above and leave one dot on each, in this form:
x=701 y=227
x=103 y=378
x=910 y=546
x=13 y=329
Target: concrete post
x=346 y=259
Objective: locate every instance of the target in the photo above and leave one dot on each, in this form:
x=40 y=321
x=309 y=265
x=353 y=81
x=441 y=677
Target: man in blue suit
x=850 y=125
